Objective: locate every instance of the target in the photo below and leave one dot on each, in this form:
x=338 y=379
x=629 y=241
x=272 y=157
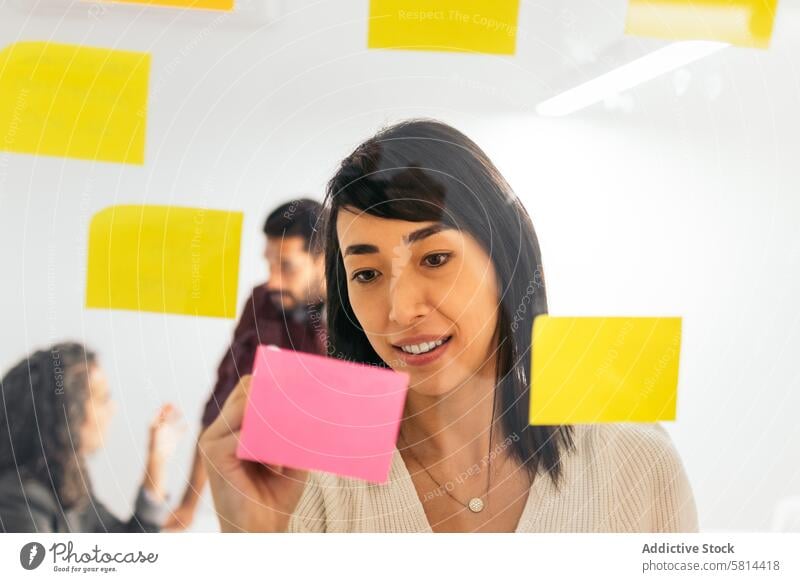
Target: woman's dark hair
x=42 y=410
x=424 y=170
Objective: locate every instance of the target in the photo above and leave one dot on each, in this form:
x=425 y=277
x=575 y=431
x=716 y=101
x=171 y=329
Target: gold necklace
x=476 y=504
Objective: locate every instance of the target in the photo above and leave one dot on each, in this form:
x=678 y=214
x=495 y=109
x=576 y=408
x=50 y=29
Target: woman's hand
x=164 y=432
x=247 y=496
x=181 y=517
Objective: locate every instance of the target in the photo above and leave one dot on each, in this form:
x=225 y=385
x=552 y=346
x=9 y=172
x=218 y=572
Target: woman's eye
x=365 y=276
x=436 y=259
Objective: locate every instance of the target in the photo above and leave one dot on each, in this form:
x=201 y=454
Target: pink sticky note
x=317 y=413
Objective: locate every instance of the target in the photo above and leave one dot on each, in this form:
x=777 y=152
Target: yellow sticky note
x=604 y=369
x=200 y=4
x=165 y=259
x=745 y=23
x=73 y=101
x=482 y=26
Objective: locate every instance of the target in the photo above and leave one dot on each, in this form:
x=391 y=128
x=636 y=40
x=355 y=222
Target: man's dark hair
x=296 y=218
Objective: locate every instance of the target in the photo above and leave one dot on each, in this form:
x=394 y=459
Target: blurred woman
x=433 y=268
x=54 y=412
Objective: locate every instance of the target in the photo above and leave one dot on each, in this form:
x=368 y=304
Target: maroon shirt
x=264 y=323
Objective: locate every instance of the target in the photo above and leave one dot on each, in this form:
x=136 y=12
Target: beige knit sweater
x=618 y=478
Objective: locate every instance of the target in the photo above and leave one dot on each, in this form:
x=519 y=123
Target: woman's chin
x=430 y=388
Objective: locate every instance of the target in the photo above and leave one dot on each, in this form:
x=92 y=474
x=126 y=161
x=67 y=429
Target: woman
x=429 y=260
x=54 y=412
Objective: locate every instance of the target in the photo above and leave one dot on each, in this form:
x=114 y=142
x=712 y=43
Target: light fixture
x=629 y=75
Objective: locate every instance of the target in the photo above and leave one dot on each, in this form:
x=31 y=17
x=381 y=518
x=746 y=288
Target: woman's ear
x=319 y=268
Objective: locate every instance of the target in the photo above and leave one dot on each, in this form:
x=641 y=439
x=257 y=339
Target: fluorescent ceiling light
x=622 y=78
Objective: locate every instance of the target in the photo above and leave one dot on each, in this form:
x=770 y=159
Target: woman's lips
x=422 y=359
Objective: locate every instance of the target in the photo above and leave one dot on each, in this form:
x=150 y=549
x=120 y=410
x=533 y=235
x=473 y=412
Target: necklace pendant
x=475 y=505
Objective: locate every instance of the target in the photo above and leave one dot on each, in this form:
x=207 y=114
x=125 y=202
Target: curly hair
x=42 y=410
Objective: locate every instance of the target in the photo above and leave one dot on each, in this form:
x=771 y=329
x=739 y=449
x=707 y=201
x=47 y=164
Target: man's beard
x=293 y=309
x=283 y=300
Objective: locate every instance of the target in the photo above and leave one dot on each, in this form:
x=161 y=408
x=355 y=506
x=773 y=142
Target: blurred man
x=286 y=311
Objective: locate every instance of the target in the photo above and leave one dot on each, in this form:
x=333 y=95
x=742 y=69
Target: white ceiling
x=322 y=43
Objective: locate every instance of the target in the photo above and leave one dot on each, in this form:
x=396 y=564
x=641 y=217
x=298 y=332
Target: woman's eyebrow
x=410 y=238
x=425 y=232
x=360 y=249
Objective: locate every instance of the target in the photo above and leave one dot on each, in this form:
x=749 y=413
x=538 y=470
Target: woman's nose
x=406 y=298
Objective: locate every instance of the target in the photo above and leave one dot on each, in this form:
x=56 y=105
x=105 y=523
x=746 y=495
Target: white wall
x=685 y=205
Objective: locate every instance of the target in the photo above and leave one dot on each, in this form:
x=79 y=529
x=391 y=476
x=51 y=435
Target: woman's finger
x=230 y=417
x=162 y=415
